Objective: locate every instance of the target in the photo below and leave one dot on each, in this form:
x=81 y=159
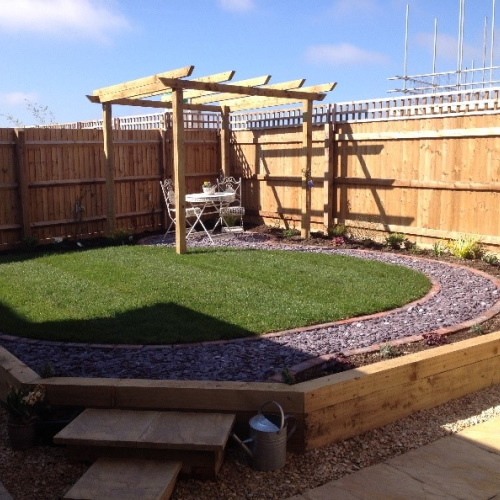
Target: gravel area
x=463 y=295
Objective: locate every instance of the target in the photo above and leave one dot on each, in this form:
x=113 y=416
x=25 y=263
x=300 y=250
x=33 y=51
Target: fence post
x=22 y=182
x=110 y=167
x=328 y=188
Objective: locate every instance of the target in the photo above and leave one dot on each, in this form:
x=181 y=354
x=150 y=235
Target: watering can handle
x=280 y=409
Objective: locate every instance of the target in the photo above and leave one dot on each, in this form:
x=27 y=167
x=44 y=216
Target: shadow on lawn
x=158 y=324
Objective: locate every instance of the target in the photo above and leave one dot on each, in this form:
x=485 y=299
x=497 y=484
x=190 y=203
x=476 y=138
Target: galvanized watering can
x=268 y=436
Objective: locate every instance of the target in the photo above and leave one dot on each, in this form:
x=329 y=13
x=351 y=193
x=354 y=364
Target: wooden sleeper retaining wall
x=327 y=409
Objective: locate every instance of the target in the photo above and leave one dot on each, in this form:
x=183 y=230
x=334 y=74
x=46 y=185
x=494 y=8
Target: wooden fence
x=425 y=166
x=52 y=181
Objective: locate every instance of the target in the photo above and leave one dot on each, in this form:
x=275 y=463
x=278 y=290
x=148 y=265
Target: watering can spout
x=245 y=448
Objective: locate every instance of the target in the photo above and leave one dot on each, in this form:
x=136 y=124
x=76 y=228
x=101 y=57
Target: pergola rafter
x=247 y=94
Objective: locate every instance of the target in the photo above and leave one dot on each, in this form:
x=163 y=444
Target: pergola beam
x=249 y=82
x=142 y=87
x=293 y=84
x=239 y=89
x=248 y=103
x=145 y=103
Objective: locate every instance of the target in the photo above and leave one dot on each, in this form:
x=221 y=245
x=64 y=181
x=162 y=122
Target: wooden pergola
x=207 y=93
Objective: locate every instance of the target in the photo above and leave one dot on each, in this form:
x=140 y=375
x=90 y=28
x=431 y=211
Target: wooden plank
x=232 y=98
x=386 y=375
x=141 y=87
x=421 y=134
x=388 y=404
x=146 y=103
x=109 y=167
x=256 y=103
x=22 y=178
x=249 y=82
x=306 y=163
x=122 y=478
x=239 y=89
x=179 y=155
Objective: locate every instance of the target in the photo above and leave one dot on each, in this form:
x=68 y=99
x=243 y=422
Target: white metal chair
x=167 y=188
x=233 y=210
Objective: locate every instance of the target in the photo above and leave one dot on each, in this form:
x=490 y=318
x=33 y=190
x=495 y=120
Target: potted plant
x=208 y=187
x=23 y=406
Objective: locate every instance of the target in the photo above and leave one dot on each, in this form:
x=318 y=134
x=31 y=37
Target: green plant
x=387 y=351
x=28 y=243
x=46 y=370
x=395 y=240
x=24 y=404
x=438 y=249
x=491 y=258
x=336 y=230
x=121 y=237
x=477 y=328
x=287 y=376
x=465 y=247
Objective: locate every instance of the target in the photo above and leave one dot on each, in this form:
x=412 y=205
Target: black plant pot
x=52 y=421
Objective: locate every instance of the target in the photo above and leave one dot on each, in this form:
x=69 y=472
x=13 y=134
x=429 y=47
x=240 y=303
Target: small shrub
x=46 y=370
x=387 y=351
x=121 y=237
x=287 y=376
x=395 y=240
x=28 y=243
x=491 y=258
x=465 y=247
x=477 y=328
x=438 y=249
x=336 y=230
x=290 y=232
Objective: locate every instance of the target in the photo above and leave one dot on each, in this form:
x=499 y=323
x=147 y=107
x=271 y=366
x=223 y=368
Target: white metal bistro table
x=209 y=204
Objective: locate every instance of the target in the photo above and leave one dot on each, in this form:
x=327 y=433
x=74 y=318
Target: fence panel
x=270 y=161
x=54 y=186
x=10 y=211
x=430 y=178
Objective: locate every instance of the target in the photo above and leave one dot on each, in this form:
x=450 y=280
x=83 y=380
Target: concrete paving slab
x=486 y=434
x=463 y=466
x=4 y=494
x=121 y=479
x=455 y=466
x=119 y=428
x=189 y=431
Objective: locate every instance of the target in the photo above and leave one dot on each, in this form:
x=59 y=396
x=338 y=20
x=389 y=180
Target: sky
x=55 y=52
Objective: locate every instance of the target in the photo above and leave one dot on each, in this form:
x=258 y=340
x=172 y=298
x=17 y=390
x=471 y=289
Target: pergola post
x=179 y=170
x=109 y=166
x=225 y=136
x=306 y=168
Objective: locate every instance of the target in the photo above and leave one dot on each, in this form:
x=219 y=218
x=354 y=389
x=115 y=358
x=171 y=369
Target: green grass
x=151 y=295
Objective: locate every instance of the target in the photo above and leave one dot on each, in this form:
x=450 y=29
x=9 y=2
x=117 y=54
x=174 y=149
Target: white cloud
x=343 y=54
x=447 y=47
x=83 y=18
x=15 y=98
x=237 y=5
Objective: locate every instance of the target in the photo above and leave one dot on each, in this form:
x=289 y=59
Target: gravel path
x=463 y=295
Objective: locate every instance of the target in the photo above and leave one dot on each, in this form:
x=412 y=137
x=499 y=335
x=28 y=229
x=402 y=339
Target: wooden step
x=126 y=479
x=197 y=440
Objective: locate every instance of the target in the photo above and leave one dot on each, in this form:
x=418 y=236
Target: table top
x=204 y=197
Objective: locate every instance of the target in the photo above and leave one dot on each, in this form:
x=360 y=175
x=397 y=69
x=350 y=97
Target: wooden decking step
x=197 y=440
x=126 y=479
